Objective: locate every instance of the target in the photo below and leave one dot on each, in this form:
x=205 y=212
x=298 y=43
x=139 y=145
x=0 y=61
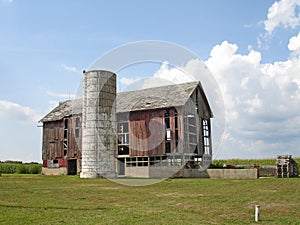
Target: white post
x=257 y=213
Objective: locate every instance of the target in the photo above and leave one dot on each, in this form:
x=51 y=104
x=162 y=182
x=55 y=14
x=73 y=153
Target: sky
x=251 y=47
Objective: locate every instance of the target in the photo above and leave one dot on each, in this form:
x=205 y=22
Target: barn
x=158 y=131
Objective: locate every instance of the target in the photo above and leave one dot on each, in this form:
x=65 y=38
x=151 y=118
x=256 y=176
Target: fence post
x=257 y=213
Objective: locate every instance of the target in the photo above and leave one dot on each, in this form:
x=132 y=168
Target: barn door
x=72 y=166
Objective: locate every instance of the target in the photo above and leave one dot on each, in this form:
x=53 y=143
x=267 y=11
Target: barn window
x=76 y=132
x=206 y=136
x=77 y=122
x=197 y=101
x=168 y=131
x=66 y=121
x=123 y=136
x=66 y=124
x=176 y=127
x=167 y=118
x=192 y=132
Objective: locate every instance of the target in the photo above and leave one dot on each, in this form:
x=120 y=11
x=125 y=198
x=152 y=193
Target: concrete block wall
x=219 y=173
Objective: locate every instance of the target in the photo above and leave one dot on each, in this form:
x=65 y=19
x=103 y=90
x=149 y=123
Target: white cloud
x=18 y=113
x=127 y=81
x=282 y=13
x=20 y=132
x=294 y=45
x=69 y=68
x=262 y=101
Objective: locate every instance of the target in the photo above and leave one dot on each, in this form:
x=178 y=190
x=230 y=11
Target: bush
x=20 y=168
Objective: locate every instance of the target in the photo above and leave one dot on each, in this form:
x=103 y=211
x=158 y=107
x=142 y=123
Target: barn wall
x=52 y=140
x=74 y=141
x=141 y=141
x=197 y=105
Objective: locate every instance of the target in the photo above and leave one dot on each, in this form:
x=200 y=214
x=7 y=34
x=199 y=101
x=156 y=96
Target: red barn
x=165 y=127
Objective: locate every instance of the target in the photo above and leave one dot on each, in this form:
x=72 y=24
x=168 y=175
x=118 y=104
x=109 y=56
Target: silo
x=98 y=124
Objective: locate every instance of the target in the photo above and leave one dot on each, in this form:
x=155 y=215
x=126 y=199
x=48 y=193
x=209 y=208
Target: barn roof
x=153 y=98
x=144 y=99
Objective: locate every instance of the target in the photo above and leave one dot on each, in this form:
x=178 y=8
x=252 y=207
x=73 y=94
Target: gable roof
x=153 y=98
x=144 y=99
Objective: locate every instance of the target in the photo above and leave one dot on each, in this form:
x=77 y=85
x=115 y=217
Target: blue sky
x=251 y=47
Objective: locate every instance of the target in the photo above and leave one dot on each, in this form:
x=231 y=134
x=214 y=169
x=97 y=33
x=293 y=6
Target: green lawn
x=37 y=199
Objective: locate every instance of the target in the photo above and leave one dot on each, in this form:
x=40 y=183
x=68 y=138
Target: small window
x=167 y=118
x=77 y=133
x=66 y=123
x=168 y=134
x=168 y=147
x=65 y=134
x=55 y=161
x=77 y=122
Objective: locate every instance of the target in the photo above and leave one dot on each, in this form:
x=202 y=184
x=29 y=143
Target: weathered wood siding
x=197 y=105
x=74 y=143
x=146 y=133
x=53 y=139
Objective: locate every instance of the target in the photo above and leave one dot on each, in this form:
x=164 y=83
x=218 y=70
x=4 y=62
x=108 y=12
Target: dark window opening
x=65 y=143
x=167 y=118
x=77 y=122
x=197 y=101
x=206 y=136
x=76 y=132
x=168 y=131
x=176 y=127
x=65 y=148
x=66 y=124
x=123 y=150
x=55 y=161
x=65 y=134
x=168 y=147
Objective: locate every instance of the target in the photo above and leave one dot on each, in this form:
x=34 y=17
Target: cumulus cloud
x=18 y=113
x=294 y=45
x=282 y=13
x=261 y=100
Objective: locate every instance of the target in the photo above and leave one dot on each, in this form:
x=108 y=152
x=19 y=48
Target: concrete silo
x=98 y=124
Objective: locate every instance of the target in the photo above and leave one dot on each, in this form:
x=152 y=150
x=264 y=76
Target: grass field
x=37 y=199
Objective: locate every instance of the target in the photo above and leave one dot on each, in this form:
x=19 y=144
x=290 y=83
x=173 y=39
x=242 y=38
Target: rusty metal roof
x=144 y=99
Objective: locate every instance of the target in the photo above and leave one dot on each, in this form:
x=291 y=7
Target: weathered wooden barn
x=157 y=129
